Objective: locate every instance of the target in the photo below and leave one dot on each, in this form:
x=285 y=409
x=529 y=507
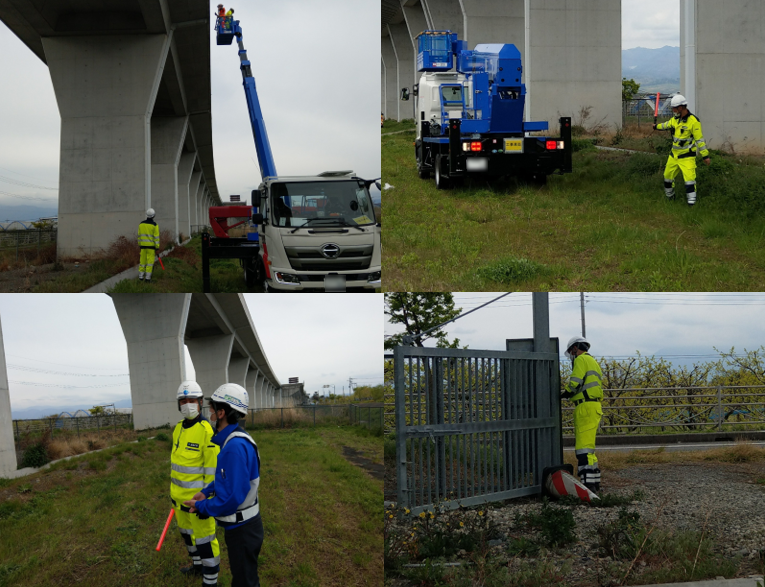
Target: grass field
x=95 y=519
x=606 y=226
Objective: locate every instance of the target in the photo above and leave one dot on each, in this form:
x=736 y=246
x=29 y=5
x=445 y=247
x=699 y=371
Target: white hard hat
x=679 y=100
x=189 y=389
x=576 y=340
x=233 y=395
x=150 y=213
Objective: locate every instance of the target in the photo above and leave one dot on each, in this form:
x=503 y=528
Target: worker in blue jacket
x=232 y=498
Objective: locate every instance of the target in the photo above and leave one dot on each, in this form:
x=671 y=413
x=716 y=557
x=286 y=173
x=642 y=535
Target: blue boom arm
x=227 y=29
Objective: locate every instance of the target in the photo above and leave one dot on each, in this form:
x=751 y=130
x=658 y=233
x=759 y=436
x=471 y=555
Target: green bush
x=557 y=525
x=35 y=456
x=162 y=436
x=511 y=270
x=623 y=537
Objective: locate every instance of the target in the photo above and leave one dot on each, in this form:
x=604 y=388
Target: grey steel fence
x=23 y=239
x=719 y=407
x=370 y=416
x=473 y=426
x=78 y=424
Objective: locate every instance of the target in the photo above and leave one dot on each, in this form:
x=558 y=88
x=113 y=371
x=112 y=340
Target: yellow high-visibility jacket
x=193 y=458
x=148 y=234
x=687 y=138
x=586 y=376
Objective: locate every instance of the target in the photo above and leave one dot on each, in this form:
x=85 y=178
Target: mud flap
x=559 y=482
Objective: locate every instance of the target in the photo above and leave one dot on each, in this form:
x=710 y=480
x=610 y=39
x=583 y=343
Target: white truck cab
x=317 y=233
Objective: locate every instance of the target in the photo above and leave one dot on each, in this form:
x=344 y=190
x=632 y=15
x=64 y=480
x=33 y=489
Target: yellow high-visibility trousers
x=199 y=538
x=686 y=167
x=146 y=264
x=587 y=416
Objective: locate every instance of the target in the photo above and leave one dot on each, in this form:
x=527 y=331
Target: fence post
x=314 y=415
x=17 y=430
x=719 y=408
x=78 y=428
x=282 y=410
x=18 y=236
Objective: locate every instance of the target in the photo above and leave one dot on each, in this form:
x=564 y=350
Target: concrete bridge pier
x=105 y=87
x=185 y=177
x=194 y=185
x=167 y=137
x=211 y=356
x=154 y=326
x=237 y=371
x=249 y=384
x=7 y=445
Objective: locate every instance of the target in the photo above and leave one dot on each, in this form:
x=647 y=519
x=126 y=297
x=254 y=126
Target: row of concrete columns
x=155 y=334
x=118 y=156
x=7 y=446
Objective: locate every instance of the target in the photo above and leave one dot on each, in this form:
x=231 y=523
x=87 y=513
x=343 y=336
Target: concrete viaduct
x=132 y=82
x=223 y=345
x=571 y=52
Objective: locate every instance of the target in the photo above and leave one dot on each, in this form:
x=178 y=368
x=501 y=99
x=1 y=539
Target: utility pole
x=350 y=386
x=581 y=300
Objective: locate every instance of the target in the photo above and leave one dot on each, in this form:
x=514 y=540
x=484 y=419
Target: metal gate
x=474 y=426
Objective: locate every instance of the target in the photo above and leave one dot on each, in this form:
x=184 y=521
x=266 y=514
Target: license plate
x=477 y=164
x=513 y=145
x=334 y=283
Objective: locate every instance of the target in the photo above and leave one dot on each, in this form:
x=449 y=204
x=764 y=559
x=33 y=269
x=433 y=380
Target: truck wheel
x=442 y=182
x=423 y=173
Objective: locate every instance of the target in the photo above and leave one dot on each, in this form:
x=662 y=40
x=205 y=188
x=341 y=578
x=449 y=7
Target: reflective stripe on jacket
x=193 y=459
x=148 y=234
x=237 y=478
x=687 y=138
x=586 y=376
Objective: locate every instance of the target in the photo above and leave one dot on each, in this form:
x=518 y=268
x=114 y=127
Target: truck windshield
x=330 y=202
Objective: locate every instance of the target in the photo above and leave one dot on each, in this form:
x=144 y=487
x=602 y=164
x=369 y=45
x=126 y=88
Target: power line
x=26 y=197
x=25 y=184
x=61 y=364
x=33 y=369
x=63 y=386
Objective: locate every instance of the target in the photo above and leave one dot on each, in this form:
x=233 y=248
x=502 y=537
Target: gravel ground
x=724 y=498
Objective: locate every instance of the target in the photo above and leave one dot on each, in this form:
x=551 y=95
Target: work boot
x=192 y=570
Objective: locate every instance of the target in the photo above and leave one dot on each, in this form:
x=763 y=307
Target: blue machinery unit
x=471 y=120
x=228 y=28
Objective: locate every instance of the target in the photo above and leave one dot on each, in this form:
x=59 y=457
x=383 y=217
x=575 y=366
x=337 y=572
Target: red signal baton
x=655 y=111
x=167 y=525
x=161 y=263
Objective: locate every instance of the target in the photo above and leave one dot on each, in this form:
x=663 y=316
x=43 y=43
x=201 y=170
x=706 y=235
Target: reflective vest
x=193 y=460
x=586 y=379
x=686 y=136
x=148 y=234
x=250 y=507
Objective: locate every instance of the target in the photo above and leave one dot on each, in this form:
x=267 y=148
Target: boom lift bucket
x=224 y=25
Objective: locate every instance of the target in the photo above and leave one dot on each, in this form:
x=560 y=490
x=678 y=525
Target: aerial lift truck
x=470 y=121
x=312 y=233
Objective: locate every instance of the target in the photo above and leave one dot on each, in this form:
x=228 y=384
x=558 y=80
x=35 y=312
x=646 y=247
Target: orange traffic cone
x=559 y=483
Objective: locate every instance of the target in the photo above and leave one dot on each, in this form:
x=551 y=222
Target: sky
x=619 y=324
x=318 y=96
x=650 y=23
x=53 y=341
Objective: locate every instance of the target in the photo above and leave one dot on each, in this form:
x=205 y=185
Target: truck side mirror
x=377 y=183
x=405 y=94
x=255 y=198
x=257 y=218
x=416 y=90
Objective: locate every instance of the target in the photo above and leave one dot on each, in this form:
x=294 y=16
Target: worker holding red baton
x=193 y=460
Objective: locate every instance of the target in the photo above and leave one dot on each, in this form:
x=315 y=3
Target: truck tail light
x=561 y=145
x=551 y=145
x=475 y=146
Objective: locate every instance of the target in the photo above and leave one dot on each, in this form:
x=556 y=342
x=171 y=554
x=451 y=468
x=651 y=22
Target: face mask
x=190 y=411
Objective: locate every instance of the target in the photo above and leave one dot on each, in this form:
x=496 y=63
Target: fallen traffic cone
x=559 y=482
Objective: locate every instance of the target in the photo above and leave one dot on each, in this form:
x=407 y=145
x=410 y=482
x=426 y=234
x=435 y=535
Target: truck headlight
x=286 y=278
x=374 y=276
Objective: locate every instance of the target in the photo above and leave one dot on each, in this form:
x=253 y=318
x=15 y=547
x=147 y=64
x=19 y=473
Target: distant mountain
x=42 y=411
x=656 y=70
x=26 y=212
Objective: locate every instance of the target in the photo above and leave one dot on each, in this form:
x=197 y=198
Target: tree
x=419 y=312
x=629 y=88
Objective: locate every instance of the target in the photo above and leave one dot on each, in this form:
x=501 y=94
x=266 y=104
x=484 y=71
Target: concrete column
x=447 y=15
x=7 y=446
x=722 y=56
x=485 y=22
x=391 y=78
x=405 y=57
x=210 y=355
x=193 y=198
x=261 y=394
x=105 y=88
x=154 y=326
x=167 y=136
x=252 y=377
x=237 y=371
x=185 y=169
x=572 y=60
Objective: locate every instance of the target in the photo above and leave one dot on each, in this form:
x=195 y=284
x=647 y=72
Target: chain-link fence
x=25 y=239
x=667 y=410
x=78 y=424
x=312 y=415
x=640 y=110
x=368 y=415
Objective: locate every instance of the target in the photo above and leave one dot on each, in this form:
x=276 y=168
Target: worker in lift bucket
x=687 y=140
x=221 y=11
x=148 y=240
x=232 y=499
x=230 y=12
x=192 y=467
x=585 y=390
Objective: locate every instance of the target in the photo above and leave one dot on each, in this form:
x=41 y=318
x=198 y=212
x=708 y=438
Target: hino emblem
x=330 y=251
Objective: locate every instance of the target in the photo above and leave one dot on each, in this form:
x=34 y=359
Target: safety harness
x=250 y=507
